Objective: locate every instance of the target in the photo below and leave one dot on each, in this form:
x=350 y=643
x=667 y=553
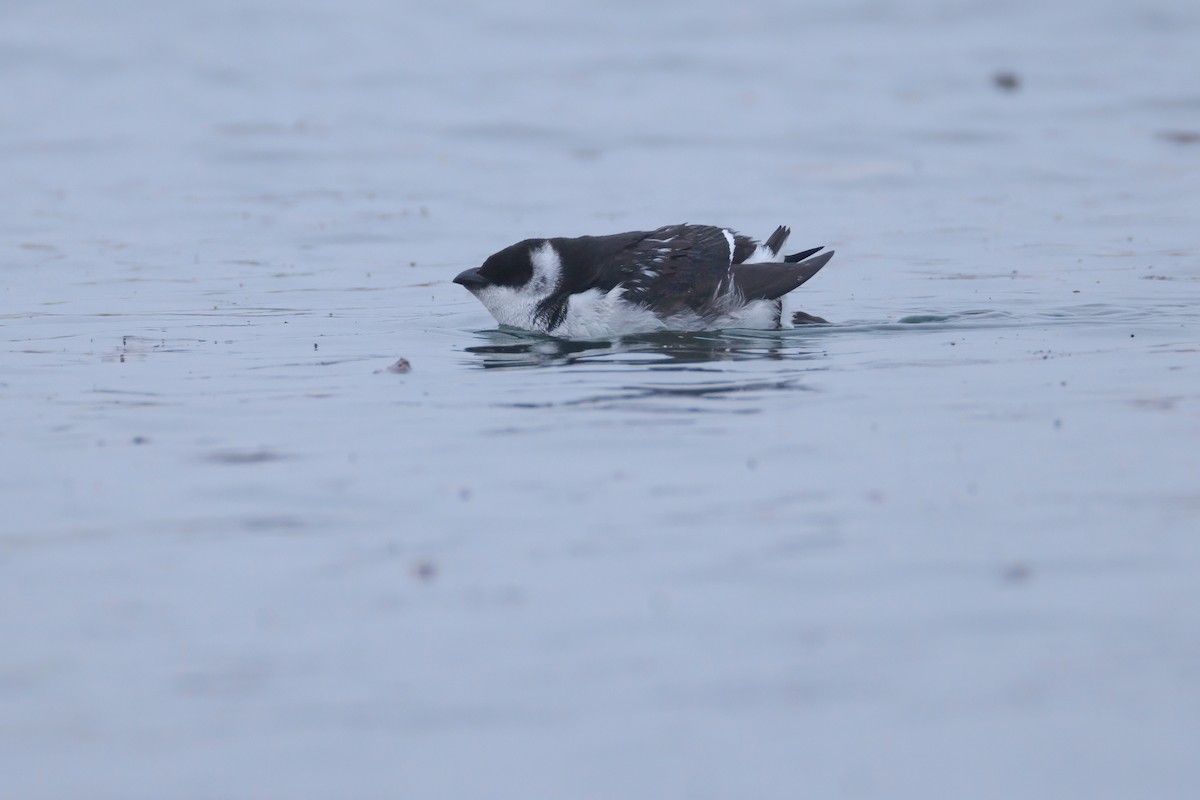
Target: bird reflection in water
x=511 y=348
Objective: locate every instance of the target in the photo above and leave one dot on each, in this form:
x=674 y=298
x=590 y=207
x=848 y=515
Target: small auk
x=679 y=277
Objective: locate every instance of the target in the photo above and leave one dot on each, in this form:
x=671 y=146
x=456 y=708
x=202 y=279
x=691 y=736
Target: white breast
x=596 y=313
x=600 y=313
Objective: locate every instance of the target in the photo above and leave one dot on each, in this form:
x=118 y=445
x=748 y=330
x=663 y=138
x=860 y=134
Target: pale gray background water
x=946 y=547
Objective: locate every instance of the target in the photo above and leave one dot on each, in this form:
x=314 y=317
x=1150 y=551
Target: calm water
x=944 y=547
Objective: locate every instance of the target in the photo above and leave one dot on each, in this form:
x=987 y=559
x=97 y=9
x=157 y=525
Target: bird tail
x=775 y=241
x=795 y=258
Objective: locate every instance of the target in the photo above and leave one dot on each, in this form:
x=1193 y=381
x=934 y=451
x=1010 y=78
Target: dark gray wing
x=771 y=281
x=675 y=268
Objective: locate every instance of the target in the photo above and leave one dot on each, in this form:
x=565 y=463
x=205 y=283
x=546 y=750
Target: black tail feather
x=792 y=259
x=775 y=241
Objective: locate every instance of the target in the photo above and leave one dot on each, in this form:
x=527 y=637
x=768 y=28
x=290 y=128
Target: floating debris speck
x=1006 y=81
x=1181 y=137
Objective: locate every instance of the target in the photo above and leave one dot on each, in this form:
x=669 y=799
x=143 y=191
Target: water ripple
x=507 y=348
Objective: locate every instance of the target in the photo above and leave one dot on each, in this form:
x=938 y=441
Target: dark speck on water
x=1007 y=81
x=244 y=457
x=1016 y=573
x=1181 y=137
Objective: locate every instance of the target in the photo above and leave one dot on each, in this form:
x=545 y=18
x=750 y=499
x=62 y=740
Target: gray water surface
x=945 y=546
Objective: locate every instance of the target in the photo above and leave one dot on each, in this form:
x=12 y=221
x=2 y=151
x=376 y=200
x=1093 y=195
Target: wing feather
x=771 y=281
